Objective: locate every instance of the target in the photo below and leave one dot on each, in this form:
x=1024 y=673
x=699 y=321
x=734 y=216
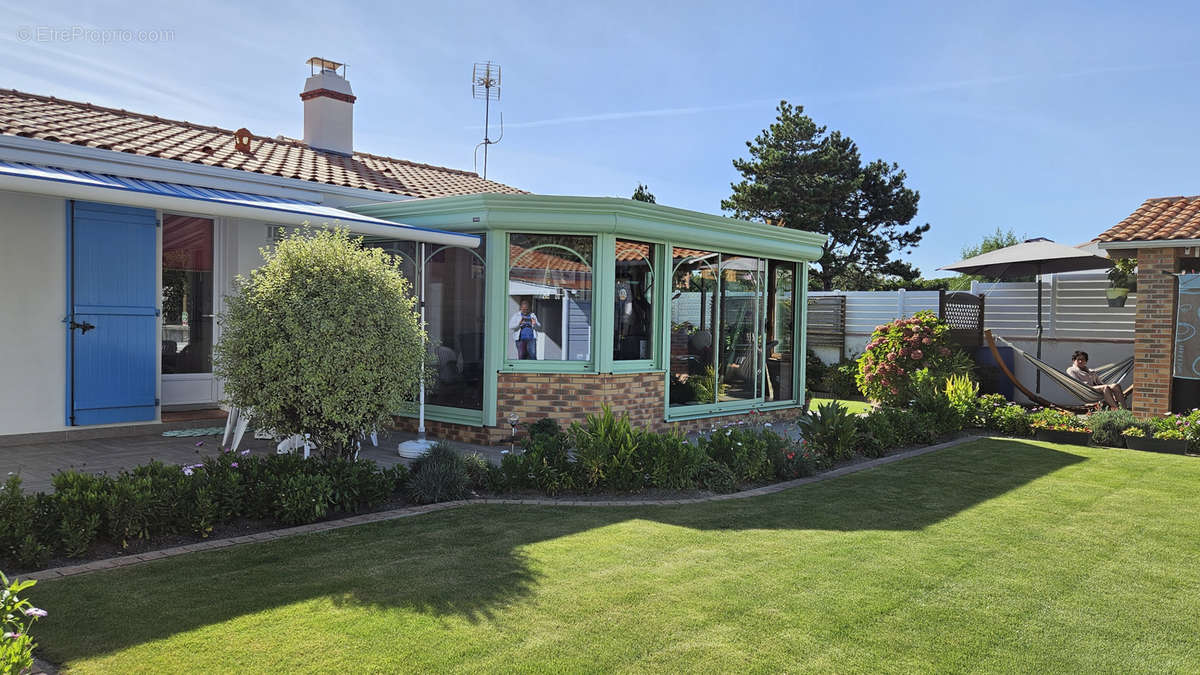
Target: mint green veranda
x=606 y=219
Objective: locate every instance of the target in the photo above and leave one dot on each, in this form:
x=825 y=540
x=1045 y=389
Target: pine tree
x=800 y=175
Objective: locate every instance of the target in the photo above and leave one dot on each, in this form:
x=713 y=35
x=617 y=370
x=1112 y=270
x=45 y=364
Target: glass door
x=188 y=316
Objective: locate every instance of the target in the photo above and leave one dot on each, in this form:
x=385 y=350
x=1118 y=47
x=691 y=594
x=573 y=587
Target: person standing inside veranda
x=525 y=326
x=1113 y=395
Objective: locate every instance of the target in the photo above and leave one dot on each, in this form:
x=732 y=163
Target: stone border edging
x=379 y=516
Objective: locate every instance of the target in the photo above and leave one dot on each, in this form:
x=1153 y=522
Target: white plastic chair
x=237 y=421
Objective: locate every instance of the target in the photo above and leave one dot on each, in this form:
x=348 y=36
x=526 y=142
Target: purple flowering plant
x=16 y=645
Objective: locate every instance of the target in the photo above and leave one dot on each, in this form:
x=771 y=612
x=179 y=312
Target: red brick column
x=1155 y=331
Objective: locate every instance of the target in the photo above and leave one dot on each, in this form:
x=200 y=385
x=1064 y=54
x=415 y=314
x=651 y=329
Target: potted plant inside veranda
x=1122 y=280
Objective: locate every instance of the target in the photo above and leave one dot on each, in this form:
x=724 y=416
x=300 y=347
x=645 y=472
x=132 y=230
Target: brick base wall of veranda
x=571 y=397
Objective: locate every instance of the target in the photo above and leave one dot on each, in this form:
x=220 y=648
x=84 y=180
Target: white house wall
x=33 y=303
x=33 y=282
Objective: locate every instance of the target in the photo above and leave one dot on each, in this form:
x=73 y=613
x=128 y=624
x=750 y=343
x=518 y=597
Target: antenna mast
x=485 y=84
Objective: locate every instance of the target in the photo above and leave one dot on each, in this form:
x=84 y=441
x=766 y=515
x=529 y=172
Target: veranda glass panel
x=780 y=337
x=406 y=251
x=633 y=316
x=187 y=288
x=550 y=297
x=454 y=316
x=694 y=307
x=739 y=346
x=454 y=298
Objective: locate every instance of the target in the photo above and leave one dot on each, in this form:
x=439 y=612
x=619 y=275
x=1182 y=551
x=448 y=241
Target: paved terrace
x=36 y=463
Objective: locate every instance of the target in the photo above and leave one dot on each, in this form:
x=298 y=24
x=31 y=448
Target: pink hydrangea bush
x=901 y=348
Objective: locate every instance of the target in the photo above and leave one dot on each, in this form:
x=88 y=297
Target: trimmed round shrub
x=440 y=475
x=901 y=348
x=322 y=339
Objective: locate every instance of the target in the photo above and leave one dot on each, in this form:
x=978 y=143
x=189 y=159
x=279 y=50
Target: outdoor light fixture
x=512 y=422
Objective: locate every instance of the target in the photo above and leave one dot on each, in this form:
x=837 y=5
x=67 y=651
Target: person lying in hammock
x=1113 y=395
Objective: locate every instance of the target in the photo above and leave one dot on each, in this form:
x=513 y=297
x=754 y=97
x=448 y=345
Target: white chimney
x=328 y=108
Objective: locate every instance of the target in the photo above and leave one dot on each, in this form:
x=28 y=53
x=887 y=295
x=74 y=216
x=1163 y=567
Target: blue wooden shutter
x=114 y=288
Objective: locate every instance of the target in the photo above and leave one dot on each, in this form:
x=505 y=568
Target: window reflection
x=550 y=298
x=740 y=307
x=454 y=306
x=781 y=322
x=633 y=297
x=454 y=316
x=694 y=305
x=732 y=329
x=187 y=289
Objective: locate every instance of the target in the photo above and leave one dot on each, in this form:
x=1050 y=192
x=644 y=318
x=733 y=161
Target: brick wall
x=1155 y=326
x=571 y=397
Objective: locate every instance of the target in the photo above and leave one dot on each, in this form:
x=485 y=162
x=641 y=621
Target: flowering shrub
x=747 y=453
x=1056 y=420
x=797 y=462
x=16 y=646
x=899 y=349
x=1135 y=432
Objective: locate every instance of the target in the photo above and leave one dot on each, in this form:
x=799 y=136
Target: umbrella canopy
x=1036 y=256
x=1032 y=257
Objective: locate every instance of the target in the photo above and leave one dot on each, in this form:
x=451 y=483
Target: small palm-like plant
x=831 y=431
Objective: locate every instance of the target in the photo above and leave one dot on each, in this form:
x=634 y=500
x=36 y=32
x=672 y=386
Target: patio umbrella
x=1034 y=256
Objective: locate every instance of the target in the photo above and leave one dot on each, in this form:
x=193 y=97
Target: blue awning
x=23 y=177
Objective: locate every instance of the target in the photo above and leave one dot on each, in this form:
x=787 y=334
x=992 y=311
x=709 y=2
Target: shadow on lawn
x=468 y=562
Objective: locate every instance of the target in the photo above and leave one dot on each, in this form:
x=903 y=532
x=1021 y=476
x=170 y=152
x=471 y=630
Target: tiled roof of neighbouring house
x=54 y=119
x=1162 y=218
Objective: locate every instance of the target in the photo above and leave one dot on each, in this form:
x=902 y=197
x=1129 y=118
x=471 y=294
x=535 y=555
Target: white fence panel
x=1074 y=307
x=867 y=309
x=1075 y=315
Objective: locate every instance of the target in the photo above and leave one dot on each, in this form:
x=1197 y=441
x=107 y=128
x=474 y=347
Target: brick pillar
x=1155 y=331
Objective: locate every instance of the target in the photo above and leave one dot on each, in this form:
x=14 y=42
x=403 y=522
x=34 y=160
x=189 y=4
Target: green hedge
x=156 y=499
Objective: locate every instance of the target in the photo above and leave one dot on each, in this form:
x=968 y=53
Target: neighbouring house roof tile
x=54 y=119
x=1158 y=219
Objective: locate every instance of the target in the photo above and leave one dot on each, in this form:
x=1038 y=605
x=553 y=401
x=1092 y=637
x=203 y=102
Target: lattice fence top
x=964 y=313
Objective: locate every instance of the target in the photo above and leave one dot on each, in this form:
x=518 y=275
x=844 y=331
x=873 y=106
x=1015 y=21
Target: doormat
x=203 y=431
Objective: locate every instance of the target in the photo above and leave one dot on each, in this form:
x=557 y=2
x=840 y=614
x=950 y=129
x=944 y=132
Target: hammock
x=1112 y=373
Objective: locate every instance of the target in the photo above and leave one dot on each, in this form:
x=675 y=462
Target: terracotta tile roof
x=1162 y=218
x=54 y=119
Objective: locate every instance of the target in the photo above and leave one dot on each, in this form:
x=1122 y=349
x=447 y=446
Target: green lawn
x=997 y=555
x=853 y=406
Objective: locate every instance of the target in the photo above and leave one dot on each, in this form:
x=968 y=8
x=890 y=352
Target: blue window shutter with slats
x=113 y=323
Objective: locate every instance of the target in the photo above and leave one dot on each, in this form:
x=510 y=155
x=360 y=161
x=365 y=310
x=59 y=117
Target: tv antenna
x=485 y=84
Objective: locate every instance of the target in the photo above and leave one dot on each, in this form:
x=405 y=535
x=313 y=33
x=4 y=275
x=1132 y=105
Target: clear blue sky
x=1052 y=121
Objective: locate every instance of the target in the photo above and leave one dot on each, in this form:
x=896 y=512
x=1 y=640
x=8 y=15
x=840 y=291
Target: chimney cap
x=325 y=64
